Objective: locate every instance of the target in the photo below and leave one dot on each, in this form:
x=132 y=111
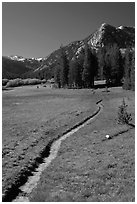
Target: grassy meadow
x=31 y=117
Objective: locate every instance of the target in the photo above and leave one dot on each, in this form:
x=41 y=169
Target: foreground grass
x=93 y=172
x=32 y=117
x=90 y=168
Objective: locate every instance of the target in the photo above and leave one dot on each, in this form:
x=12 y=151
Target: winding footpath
x=33 y=180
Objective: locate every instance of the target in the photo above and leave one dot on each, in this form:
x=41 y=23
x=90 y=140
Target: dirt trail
x=32 y=181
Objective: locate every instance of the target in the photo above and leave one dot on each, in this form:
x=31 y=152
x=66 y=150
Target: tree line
x=80 y=72
x=108 y=63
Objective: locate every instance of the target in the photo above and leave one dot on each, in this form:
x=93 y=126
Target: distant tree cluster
x=79 y=72
x=110 y=64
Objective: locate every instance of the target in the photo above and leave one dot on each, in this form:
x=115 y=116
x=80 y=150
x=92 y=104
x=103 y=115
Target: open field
x=32 y=117
x=89 y=168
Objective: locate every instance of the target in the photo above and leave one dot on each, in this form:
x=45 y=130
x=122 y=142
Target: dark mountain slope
x=12 y=69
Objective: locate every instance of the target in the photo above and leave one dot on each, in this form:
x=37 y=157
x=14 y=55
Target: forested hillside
x=108 y=53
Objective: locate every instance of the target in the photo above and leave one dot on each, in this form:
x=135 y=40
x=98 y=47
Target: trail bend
x=33 y=180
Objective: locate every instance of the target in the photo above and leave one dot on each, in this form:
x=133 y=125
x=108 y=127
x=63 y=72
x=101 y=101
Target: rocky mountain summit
x=123 y=36
x=107 y=34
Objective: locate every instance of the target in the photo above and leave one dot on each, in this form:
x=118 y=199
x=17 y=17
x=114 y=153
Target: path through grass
x=91 y=169
x=32 y=117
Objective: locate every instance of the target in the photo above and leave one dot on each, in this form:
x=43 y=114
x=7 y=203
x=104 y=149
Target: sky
x=36 y=29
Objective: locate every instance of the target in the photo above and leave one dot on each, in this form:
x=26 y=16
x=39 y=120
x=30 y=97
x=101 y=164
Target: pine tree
x=75 y=78
x=101 y=62
x=64 y=66
x=107 y=68
x=116 y=65
x=88 y=68
x=94 y=62
x=57 y=76
x=80 y=61
x=133 y=71
x=112 y=64
x=129 y=70
x=71 y=74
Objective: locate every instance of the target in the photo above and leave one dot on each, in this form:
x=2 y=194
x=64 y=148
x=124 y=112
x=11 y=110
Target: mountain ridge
x=123 y=36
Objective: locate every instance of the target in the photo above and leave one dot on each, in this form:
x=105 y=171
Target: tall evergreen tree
x=107 y=68
x=80 y=61
x=71 y=75
x=116 y=64
x=101 y=62
x=133 y=71
x=75 y=74
x=88 y=68
x=94 y=62
x=64 y=67
x=57 y=72
x=110 y=60
x=129 y=70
